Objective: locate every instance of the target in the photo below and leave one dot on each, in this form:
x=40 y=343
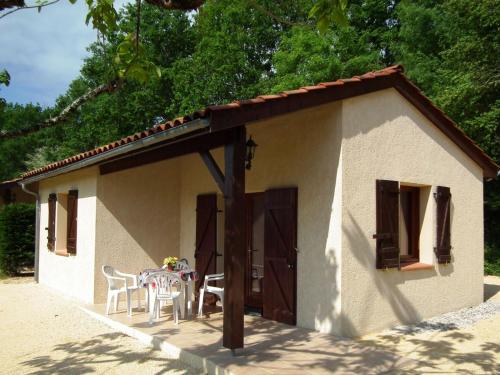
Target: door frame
x=251 y=300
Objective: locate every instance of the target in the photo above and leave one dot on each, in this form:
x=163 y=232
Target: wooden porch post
x=234 y=239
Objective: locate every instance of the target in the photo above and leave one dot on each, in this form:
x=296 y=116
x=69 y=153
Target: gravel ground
x=461 y=342
x=45 y=333
x=454 y=320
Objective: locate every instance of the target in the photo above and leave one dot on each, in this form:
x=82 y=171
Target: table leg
x=190 y=297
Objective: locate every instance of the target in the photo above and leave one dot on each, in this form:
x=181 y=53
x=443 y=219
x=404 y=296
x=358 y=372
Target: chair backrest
x=109 y=272
x=182 y=265
x=213 y=277
x=165 y=283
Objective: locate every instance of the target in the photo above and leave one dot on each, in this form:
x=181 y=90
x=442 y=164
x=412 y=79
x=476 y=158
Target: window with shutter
x=72 y=221
x=443 y=241
x=51 y=228
x=387 y=236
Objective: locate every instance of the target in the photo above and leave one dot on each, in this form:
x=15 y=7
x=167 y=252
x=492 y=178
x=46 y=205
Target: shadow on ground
x=101 y=352
x=490 y=290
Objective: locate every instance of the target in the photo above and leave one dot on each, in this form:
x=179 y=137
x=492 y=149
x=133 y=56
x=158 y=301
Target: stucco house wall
x=137 y=219
x=385 y=137
x=72 y=275
x=300 y=149
x=333 y=154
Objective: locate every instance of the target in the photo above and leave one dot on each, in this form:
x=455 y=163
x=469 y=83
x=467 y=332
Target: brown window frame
x=413 y=228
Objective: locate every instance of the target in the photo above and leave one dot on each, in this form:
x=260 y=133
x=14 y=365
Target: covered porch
x=270 y=347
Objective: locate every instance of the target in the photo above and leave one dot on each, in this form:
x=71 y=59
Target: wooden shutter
x=443 y=242
x=72 y=221
x=51 y=228
x=206 y=237
x=280 y=256
x=387 y=235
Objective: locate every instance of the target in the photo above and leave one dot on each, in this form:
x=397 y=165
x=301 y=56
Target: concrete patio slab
x=270 y=347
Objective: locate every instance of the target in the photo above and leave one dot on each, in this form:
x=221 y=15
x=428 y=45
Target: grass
x=2 y=275
x=492 y=261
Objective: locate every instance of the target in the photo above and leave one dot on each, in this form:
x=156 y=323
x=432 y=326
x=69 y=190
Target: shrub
x=492 y=261
x=17 y=237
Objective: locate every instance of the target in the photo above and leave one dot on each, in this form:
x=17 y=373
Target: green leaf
x=4 y=77
x=328 y=12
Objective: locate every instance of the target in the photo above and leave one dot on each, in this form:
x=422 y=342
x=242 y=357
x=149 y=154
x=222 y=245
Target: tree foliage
x=235 y=49
x=17 y=233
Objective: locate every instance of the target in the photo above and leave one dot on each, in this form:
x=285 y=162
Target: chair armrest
x=133 y=277
x=214 y=277
x=118 y=278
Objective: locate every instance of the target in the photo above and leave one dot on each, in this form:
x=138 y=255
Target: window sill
x=416 y=266
x=62 y=253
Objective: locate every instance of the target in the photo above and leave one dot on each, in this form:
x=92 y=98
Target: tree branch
x=273 y=16
x=177 y=4
x=26 y=7
x=4 y=4
x=66 y=112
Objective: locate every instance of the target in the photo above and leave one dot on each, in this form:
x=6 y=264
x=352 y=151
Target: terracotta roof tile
x=249 y=110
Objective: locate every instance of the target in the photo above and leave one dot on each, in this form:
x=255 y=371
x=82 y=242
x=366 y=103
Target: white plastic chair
x=166 y=286
x=211 y=289
x=182 y=265
x=119 y=282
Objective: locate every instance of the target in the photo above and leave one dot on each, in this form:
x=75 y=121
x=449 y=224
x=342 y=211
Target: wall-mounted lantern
x=250 y=154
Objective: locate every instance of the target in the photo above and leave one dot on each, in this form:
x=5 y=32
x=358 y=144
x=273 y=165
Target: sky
x=43 y=52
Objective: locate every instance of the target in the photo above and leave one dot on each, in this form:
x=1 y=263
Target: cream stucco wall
x=333 y=154
x=385 y=137
x=301 y=149
x=73 y=275
x=137 y=219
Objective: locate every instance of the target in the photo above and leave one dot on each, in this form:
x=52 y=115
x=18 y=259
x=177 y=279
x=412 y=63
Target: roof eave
x=171 y=133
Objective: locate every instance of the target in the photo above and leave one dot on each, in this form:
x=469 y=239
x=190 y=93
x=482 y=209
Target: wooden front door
x=206 y=236
x=280 y=255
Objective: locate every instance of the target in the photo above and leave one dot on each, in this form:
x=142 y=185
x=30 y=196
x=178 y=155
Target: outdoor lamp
x=251 y=146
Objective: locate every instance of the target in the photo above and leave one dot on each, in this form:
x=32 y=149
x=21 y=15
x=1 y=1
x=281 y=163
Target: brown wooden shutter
x=443 y=241
x=72 y=221
x=387 y=235
x=51 y=229
x=280 y=256
x=206 y=237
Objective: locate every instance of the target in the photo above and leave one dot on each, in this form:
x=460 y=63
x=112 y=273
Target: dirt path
x=43 y=333
x=470 y=350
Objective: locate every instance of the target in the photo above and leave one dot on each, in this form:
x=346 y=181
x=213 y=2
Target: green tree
x=451 y=49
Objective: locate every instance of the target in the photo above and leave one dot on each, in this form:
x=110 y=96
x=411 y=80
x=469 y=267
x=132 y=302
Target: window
x=62 y=228
x=51 y=226
x=404 y=225
x=409 y=223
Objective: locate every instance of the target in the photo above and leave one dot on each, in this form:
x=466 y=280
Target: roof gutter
x=176 y=131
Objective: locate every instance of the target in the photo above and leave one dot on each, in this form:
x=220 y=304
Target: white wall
x=300 y=149
x=137 y=219
x=73 y=275
x=385 y=137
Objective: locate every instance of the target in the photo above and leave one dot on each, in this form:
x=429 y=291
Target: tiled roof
x=243 y=111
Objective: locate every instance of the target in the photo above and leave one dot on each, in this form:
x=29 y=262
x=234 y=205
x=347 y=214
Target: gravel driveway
x=43 y=333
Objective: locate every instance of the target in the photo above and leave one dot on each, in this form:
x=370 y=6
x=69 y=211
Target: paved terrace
x=270 y=347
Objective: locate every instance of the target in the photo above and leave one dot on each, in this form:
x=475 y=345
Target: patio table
x=187 y=277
